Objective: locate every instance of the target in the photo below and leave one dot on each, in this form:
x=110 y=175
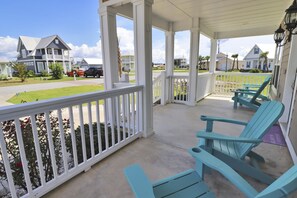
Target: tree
x=207 y=61
x=200 y=61
x=57 y=70
x=264 y=55
x=21 y=70
x=234 y=56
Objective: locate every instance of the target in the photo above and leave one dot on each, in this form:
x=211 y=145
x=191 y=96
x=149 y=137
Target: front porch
x=165 y=153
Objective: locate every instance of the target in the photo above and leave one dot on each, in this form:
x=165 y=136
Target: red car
x=78 y=72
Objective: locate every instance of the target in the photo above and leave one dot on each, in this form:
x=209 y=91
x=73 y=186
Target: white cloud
x=85 y=51
x=8 y=48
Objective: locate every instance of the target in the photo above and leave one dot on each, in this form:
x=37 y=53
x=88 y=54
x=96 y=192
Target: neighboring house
x=252 y=59
x=86 y=63
x=39 y=53
x=224 y=62
x=128 y=62
x=180 y=62
x=5 y=68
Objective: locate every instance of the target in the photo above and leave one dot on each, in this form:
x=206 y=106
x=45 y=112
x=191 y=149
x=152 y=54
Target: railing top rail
x=25 y=109
x=242 y=74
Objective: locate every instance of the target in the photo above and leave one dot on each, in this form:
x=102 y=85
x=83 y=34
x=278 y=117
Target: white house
x=91 y=62
x=253 y=61
x=128 y=62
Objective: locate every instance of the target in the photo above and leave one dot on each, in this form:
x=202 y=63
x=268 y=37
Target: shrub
x=57 y=70
x=44 y=74
x=255 y=71
x=21 y=71
x=3 y=77
x=87 y=140
x=31 y=73
x=9 y=132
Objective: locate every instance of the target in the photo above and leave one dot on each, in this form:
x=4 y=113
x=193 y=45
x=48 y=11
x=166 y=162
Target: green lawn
x=35 y=80
x=53 y=93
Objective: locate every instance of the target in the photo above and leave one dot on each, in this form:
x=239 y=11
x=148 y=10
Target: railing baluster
x=128 y=114
x=133 y=112
x=124 y=117
x=118 y=117
x=6 y=162
x=112 y=102
x=105 y=124
x=62 y=138
x=91 y=129
x=37 y=149
x=23 y=156
x=82 y=132
x=98 y=126
x=51 y=144
x=73 y=136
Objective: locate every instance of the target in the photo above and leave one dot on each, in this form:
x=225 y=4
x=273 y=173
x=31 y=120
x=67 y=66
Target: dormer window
x=57 y=41
x=256 y=50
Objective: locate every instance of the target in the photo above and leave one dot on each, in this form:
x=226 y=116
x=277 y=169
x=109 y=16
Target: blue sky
x=77 y=23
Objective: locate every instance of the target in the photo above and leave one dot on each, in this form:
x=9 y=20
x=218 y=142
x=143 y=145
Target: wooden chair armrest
x=139 y=182
x=220 y=119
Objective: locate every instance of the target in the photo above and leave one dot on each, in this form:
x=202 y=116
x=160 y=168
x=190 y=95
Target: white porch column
x=54 y=57
x=63 y=61
x=109 y=46
x=213 y=55
x=194 y=51
x=169 y=56
x=46 y=59
x=142 y=16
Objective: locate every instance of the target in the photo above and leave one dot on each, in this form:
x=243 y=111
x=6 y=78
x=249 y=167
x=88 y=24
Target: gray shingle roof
x=32 y=43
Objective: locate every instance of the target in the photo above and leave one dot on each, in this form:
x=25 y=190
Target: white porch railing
x=159 y=88
x=179 y=89
x=44 y=144
x=227 y=82
x=205 y=85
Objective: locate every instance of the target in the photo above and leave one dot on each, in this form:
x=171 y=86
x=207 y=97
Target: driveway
x=8 y=92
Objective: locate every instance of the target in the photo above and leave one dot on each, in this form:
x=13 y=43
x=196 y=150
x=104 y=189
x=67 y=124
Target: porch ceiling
x=218 y=18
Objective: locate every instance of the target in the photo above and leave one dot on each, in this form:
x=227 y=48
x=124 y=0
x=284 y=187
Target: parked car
x=93 y=71
x=78 y=72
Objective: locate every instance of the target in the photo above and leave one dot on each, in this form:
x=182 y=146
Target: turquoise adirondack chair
x=234 y=150
x=249 y=97
x=190 y=184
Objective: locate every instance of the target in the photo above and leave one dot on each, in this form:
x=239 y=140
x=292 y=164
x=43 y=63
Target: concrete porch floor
x=165 y=153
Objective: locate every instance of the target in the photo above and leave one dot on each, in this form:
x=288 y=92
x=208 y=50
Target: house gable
x=253 y=54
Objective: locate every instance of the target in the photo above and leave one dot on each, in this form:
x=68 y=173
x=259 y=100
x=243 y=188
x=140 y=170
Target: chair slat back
x=261 y=88
x=264 y=118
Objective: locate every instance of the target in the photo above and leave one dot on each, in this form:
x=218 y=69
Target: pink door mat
x=275 y=136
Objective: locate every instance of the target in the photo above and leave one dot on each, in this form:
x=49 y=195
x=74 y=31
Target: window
x=248 y=64
x=256 y=50
x=24 y=53
x=57 y=41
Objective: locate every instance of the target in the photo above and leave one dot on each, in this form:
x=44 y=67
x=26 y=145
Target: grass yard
x=35 y=80
x=53 y=93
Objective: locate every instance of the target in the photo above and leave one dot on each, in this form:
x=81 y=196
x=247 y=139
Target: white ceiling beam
x=126 y=10
x=245 y=33
x=113 y=3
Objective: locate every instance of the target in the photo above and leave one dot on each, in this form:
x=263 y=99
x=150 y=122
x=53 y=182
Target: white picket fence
x=68 y=135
